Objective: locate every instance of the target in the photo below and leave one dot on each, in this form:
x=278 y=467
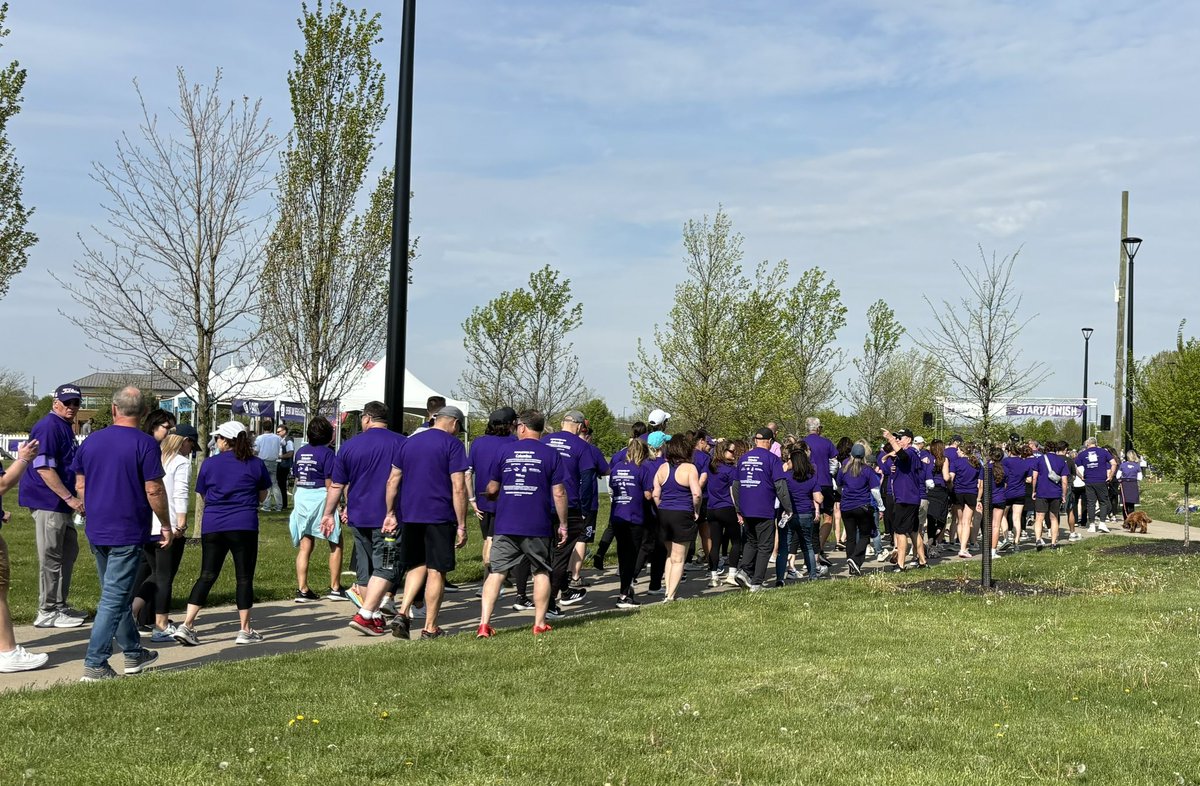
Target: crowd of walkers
x=755 y=512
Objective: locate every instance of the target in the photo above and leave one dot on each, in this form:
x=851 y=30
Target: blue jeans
x=118 y=570
x=803 y=529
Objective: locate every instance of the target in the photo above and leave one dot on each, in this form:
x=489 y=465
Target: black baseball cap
x=764 y=433
x=901 y=433
x=502 y=416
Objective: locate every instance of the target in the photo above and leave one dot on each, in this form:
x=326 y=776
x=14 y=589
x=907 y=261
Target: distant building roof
x=110 y=380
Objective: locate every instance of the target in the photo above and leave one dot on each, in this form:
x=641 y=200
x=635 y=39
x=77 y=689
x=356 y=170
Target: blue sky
x=879 y=140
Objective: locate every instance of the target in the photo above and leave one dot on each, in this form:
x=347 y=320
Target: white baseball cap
x=230 y=429
x=658 y=417
x=918 y=440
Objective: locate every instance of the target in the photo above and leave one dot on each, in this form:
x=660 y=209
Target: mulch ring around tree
x=974 y=587
x=1154 y=548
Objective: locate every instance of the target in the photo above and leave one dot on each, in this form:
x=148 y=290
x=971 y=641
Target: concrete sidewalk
x=287 y=626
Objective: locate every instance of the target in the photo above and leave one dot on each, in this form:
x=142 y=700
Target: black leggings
x=858 y=523
x=723 y=526
x=935 y=516
x=629 y=543
x=243 y=545
x=652 y=549
x=157 y=576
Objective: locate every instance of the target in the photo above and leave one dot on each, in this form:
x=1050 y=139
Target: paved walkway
x=297 y=627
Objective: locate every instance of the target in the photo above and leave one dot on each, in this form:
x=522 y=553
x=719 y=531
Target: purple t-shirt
x=757 y=471
x=484 y=453
x=426 y=461
x=1129 y=470
x=230 y=490
x=908 y=477
x=578 y=458
x=115 y=463
x=720 y=486
x=926 y=470
x=998 y=493
x=1047 y=489
x=1015 y=468
x=856 y=491
x=801 y=492
x=888 y=468
x=527 y=472
x=363 y=465
x=1095 y=464
x=966 y=477
x=628 y=493
x=703 y=462
x=602 y=468
x=57 y=451
x=312 y=465
x=618 y=457
x=820 y=451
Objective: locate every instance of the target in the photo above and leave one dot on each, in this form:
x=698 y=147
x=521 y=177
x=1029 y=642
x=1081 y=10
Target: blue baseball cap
x=656 y=439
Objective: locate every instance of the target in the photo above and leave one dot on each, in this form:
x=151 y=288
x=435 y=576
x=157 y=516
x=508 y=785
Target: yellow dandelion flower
x=292 y=722
x=315 y=721
x=299 y=717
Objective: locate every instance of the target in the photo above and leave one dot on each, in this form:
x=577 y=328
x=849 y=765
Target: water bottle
x=387 y=560
x=79 y=520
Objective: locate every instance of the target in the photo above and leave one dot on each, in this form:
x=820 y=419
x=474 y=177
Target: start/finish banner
x=1044 y=410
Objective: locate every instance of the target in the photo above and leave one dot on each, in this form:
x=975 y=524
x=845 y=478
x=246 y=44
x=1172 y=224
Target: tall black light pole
x=393 y=390
x=1087 y=338
x=1132 y=244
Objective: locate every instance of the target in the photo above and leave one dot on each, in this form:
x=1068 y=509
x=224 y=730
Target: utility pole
x=1118 y=408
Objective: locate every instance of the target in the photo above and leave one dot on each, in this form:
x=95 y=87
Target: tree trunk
x=1187 y=517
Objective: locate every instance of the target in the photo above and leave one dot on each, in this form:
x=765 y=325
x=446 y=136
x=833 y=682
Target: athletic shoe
x=714 y=578
x=416 y=612
x=371 y=627
x=823 y=560
x=450 y=586
x=21 y=659
x=742 y=578
x=731 y=577
x=778 y=583
x=355 y=597
x=995 y=554
x=483 y=632
x=185 y=635
x=627 y=602
x=251 y=636
x=922 y=566
x=337 y=593
x=1092 y=528
x=870 y=551
x=523 y=604
x=436 y=633
x=554 y=613
x=771 y=560
x=822 y=571
x=578 y=583
x=98 y=673
x=757 y=587
x=667 y=599
x=598 y=563
x=1004 y=543
x=884 y=554
x=63 y=621
x=67 y=611
x=839 y=546
x=139 y=663
x=401 y=626
x=1074 y=537
x=661 y=591
x=792 y=573
x=538 y=630
x=45 y=619
x=572 y=596
x=388 y=607
x=1039 y=544
x=306 y=596
x=896 y=569
x=163 y=635
x=1103 y=528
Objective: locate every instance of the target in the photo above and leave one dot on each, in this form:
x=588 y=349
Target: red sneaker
x=371 y=627
x=485 y=632
x=540 y=629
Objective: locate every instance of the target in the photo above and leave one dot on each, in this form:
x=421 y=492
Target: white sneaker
x=64 y=621
x=21 y=659
x=995 y=554
x=1074 y=536
x=1103 y=528
x=884 y=554
x=1092 y=528
x=249 y=636
x=45 y=619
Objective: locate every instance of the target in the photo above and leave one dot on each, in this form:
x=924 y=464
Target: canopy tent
x=370 y=388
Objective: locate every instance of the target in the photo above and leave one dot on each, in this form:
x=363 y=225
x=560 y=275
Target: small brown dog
x=1136 y=522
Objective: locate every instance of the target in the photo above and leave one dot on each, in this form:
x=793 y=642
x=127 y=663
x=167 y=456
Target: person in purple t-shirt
x=1129 y=475
x=1050 y=476
x=823 y=455
x=593 y=509
x=581 y=467
x=761 y=480
x=482 y=457
x=627 y=514
x=362 y=468
x=1097 y=467
x=433 y=508
x=233 y=484
x=312 y=467
x=48 y=490
x=528 y=483
x=14 y=657
x=908 y=480
x=118 y=473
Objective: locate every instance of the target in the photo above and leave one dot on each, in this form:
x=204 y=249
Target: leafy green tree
x=1167 y=400
x=13 y=398
x=38 y=411
x=518 y=348
x=606 y=435
x=323 y=312
x=15 y=239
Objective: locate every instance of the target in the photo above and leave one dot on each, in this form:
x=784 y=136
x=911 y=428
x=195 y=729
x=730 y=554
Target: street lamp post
x=1132 y=244
x=1087 y=337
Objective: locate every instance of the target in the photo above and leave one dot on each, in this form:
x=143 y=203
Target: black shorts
x=487 y=523
x=1051 y=506
x=827 y=500
x=676 y=526
x=703 y=518
x=1000 y=506
x=428 y=545
x=589 y=527
x=509 y=551
x=905 y=520
x=970 y=500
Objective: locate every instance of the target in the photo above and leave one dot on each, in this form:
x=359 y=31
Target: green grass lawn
x=844 y=682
